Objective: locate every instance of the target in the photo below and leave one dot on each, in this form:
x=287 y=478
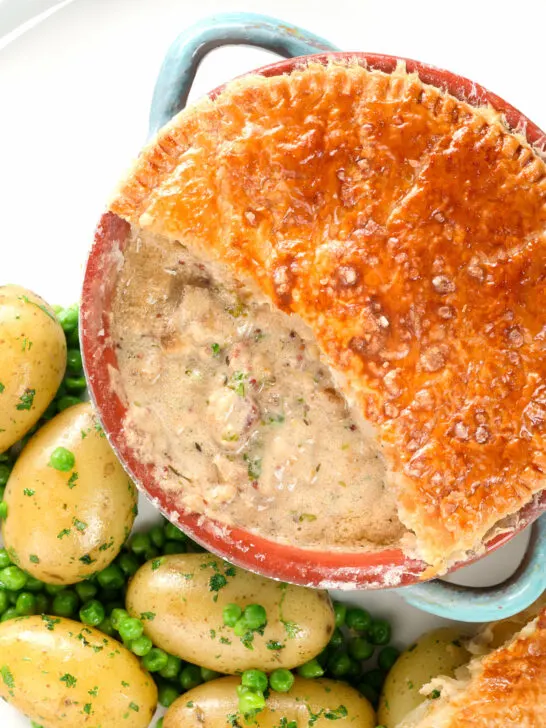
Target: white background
x=74 y=99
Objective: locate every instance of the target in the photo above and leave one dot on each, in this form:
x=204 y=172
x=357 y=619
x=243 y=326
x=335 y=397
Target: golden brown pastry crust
x=407 y=229
x=507 y=689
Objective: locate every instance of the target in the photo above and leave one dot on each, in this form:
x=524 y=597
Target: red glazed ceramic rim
x=326 y=569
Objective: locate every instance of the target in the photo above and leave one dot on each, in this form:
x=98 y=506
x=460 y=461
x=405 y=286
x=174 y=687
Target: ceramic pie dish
x=441 y=133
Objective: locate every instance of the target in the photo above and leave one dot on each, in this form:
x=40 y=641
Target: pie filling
x=230 y=401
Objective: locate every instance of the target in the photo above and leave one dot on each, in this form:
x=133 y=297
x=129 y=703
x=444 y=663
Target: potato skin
x=179 y=590
x=63 y=526
x=61 y=673
x=32 y=363
x=436 y=653
x=215 y=705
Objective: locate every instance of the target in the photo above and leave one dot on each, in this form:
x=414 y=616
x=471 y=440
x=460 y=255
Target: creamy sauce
x=230 y=400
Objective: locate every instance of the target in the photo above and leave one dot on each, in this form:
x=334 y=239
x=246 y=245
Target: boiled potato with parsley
x=70 y=504
x=183 y=597
x=61 y=673
x=309 y=703
x=437 y=653
x=32 y=361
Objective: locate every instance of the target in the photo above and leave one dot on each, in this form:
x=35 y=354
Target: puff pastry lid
x=406 y=228
x=506 y=688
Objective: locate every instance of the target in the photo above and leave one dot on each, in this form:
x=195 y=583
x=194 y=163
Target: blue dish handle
x=484 y=604
x=190 y=47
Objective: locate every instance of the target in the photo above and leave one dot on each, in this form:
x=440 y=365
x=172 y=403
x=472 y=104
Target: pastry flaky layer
x=505 y=688
x=406 y=228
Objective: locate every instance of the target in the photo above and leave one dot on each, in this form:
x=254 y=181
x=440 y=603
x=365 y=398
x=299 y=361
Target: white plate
x=75 y=93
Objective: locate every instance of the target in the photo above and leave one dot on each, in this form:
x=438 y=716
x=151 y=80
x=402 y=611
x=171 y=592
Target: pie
x=504 y=687
x=400 y=232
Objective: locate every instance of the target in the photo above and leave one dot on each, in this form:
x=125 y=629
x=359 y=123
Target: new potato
x=61 y=673
x=436 y=653
x=64 y=525
x=186 y=595
x=309 y=702
x=32 y=361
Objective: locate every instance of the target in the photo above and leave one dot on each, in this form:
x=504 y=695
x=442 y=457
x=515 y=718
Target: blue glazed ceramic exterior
x=171 y=93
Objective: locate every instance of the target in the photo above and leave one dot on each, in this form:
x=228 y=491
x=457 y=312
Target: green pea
x=250 y=701
x=73 y=339
x=255 y=680
x=131 y=629
x=12 y=597
x=35 y=725
x=50 y=411
x=42 y=604
x=208 y=675
x=172 y=533
x=360 y=648
x=340 y=612
x=387 y=658
x=75 y=384
x=339 y=664
x=117 y=616
x=231 y=614
x=25 y=604
x=3 y=509
x=66 y=402
x=241 y=627
x=324 y=656
x=141 y=646
x=65 y=604
x=380 y=632
x=68 y=318
x=157 y=536
x=34 y=585
x=5 y=470
x=53 y=589
x=140 y=543
x=62 y=459
x=375 y=678
x=172 y=668
x=369 y=693
x=354 y=672
x=255 y=616
x=174 y=547
x=281 y=680
x=13 y=578
x=310 y=669
x=111 y=577
x=128 y=563
x=190 y=677
x=92 y=613
x=151 y=553
x=167 y=694
x=10 y=613
x=336 y=640
x=358 y=619
x=155 y=660
x=4 y=559
x=86 y=590
x=159 y=723
x=107 y=627
x=74 y=363
x=4 y=601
